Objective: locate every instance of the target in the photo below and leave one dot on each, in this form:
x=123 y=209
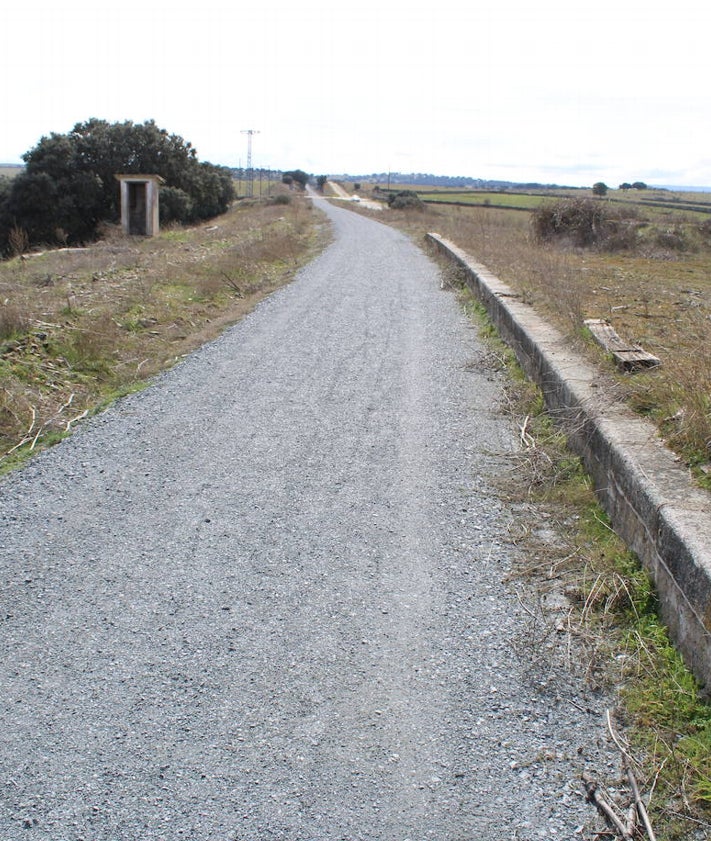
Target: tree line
x=68 y=188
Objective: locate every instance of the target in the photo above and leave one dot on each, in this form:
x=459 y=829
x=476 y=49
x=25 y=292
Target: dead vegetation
x=650 y=276
x=592 y=613
x=80 y=326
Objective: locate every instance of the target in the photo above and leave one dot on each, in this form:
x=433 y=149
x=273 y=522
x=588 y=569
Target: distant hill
x=427 y=179
x=678 y=189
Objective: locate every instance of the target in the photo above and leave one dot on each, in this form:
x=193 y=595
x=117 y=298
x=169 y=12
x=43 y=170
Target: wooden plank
x=628 y=356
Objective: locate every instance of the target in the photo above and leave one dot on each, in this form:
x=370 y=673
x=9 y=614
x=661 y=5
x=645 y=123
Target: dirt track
x=264 y=599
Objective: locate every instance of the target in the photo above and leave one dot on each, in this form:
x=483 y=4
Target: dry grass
x=591 y=613
x=592 y=610
x=657 y=296
x=80 y=326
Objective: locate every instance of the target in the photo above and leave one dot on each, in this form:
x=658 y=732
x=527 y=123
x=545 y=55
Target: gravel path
x=263 y=599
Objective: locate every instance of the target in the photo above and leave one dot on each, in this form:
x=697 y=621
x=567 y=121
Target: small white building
x=139 y=204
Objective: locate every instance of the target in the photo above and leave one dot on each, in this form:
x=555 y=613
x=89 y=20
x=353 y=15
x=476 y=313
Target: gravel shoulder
x=265 y=598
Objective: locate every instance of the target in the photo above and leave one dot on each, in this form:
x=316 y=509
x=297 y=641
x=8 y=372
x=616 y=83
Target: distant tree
x=639 y=185
x=297 y=176
x=599 y=189
x=68 y=186
x=321 y=182
x=625 y=186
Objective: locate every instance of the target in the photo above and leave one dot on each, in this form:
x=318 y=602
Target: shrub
x=405 y=200
x=175 y=204
x=68 y=183
x=584 y=222
x=296 y=176
x=13 y=322
x=672 y=239
x=18 y=241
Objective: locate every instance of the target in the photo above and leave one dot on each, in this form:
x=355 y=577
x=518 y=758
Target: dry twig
x=624 y=825
x=605 y=807
x=627 y=764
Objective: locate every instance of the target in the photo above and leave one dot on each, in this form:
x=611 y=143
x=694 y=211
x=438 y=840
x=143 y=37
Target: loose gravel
x=266 y=599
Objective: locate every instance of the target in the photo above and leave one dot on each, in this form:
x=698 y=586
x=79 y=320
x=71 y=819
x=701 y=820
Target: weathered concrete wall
x=140 y=212
x=650 y=498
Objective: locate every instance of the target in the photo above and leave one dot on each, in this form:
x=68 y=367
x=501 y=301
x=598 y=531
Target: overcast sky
x=553 y=91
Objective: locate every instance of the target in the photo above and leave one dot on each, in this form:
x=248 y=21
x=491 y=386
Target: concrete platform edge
x=649 y=496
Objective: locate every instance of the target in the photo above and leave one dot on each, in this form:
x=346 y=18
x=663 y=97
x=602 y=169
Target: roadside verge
x=650 y=498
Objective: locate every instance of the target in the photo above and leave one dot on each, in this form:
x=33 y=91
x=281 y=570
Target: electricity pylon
x=250 y=172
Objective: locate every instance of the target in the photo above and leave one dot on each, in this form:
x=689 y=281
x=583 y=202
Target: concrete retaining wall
x=650 y=498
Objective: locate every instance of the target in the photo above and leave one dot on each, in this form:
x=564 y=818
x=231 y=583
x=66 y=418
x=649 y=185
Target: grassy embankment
x=657 y=293
x=79 y=327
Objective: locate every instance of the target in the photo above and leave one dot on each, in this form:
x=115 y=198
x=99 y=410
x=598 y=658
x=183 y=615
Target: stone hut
x=139 y=204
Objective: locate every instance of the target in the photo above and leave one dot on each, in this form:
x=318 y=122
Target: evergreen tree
x=69 y=187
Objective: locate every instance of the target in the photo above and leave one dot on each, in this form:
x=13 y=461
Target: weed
x=612 y=620
x=13 y=321
x=88 y=324
x=18 y=241
x=655 y=296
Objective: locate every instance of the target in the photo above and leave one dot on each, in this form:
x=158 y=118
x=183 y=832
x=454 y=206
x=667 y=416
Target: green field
x=655 y=199
x=524 y=201
x=665 y=200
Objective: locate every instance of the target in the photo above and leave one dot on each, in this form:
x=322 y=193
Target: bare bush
x=18 y=241
x=13 y=321
x=585 y=222
x=672 y=239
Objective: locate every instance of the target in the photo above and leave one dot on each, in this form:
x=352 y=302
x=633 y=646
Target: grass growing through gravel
x=606 y=607
x=659 y=295
x=79 y=327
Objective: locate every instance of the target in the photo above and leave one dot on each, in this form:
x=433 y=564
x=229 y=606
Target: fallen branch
x=26 y=436
x=627 y=764
x=639 y=803
x=624 y=825
x=29 y=437
x=605 y=807
x=527 y=440
x=77 y=418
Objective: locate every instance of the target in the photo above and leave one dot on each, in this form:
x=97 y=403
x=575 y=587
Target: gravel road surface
x=263 y=599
